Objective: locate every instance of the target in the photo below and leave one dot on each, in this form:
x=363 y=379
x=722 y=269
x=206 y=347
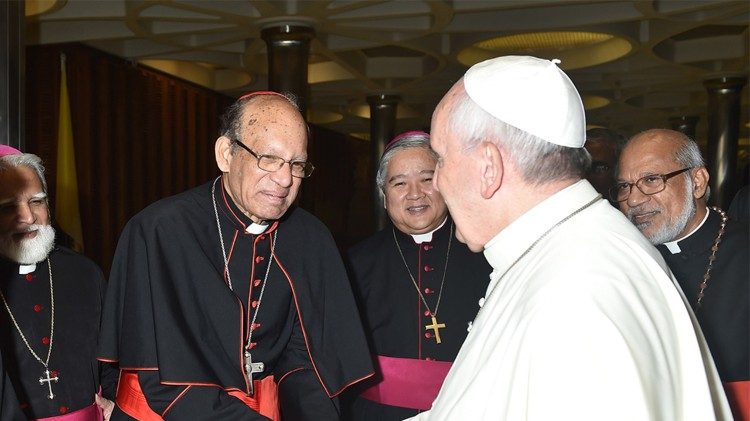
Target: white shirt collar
x=24 y=269
x=256 y=228
x=673 y=247
x=427 y=237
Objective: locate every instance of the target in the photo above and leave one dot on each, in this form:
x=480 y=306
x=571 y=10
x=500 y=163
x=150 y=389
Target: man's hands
x=106 y=405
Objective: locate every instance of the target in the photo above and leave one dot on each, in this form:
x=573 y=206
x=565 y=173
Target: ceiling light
x=575 y=49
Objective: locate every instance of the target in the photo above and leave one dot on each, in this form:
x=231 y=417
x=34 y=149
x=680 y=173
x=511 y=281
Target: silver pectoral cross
x=252 y=368
x=47 y=378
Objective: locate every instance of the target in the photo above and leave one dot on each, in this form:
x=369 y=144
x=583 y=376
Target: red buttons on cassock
x=255 y=326
x=62 y=410
x=29 y=276
x=428 y=291
x=428 y=268
x=45 y=340
x=254 y=303
x=262 y=237
x=429 y=359
x=259 y=259
x=252 y=345
x=54 y=373
x=427 y=313
x=37 y=308
x=427 y=247
x=256 y=282
x=428 y=335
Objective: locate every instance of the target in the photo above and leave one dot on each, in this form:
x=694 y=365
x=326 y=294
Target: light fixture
x=575 y=49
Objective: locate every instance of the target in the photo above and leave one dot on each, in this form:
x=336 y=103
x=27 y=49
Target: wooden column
x=12 y=70
x=382 y=129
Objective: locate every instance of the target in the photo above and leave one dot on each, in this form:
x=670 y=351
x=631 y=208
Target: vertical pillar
x=12 y=69
x=684 y=124
x=382 y=129
x=288 y=52
x=723 y=136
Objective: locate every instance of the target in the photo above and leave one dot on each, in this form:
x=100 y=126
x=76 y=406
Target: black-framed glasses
x=271 y=163
x=648 y=185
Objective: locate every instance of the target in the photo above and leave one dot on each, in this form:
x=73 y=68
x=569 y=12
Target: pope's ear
x=491 y=168
x=700 y=182
x=223 y=151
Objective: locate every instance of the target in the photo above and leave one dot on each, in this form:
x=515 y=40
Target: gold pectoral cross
x=435 y=327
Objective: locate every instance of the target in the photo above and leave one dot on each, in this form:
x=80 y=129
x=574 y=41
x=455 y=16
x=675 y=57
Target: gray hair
x=539 y=161
x=231 y=119
x=416 y=140
x=26 y=159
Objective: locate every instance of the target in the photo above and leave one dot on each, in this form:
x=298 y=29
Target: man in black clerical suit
x=51 y=303
x=662 y=188
x=417 y=286
x=226 y=302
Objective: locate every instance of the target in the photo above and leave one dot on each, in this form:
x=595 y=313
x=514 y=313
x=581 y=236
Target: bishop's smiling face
x=412 y=203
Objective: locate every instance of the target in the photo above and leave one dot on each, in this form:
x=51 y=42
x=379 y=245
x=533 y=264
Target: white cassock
x=588 y=325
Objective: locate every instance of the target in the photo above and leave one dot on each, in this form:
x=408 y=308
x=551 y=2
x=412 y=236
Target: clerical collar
x=256 y=228
x=673 y=247
x=427 y=237
x=24 y=269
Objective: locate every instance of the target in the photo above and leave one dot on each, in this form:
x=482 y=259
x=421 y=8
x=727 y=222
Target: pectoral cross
x=252 y=368
x=435 y=326
x=47 y=378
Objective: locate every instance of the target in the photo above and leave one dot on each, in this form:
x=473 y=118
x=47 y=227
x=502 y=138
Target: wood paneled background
x=141 y=135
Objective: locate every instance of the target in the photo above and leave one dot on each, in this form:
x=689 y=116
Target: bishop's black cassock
x=395 y=316
x=724 y=313
x=78 y=292
x=171 y=317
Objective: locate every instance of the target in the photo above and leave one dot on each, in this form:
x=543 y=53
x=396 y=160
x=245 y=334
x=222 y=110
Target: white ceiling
x=410 y=48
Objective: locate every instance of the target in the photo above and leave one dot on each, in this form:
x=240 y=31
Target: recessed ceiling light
x=575 y=49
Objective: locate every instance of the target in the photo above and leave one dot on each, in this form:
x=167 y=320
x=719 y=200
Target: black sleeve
x=108 y=374
x=301 y=396
x=193 y=403
x=9 y=407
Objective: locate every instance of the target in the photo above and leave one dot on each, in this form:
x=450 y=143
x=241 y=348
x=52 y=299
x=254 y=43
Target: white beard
x=30 y=251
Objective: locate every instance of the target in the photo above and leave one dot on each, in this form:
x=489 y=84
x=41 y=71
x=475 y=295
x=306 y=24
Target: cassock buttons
x=428 y=335
x=427 y=313
x=427 y=247
x=428 y=268
x=54 y=373
x=62 y=410
x=37 y=308
x=252 y=345
x=45 y=340
x=256 y=282
x=259 y=259
x=428 y=291
x=254 y=303
x=429 y=359
x=29 y=277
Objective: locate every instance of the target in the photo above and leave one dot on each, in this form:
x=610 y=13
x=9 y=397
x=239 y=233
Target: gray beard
x=672 y=228
x=29 y=252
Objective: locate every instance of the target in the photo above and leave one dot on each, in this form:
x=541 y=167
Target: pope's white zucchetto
x=531 y=94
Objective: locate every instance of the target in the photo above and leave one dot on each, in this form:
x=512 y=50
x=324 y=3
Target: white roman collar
x=673 y=247
x=427 y=237
x=256 y=228
x=24 y=269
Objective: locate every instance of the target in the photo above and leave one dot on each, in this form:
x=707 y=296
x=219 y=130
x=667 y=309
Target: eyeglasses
x=271 y=163
x=648 y=185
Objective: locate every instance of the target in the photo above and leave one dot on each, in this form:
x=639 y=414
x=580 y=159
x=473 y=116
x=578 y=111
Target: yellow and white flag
x=67 y=212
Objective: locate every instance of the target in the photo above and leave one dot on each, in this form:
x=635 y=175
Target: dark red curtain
x=141 y=135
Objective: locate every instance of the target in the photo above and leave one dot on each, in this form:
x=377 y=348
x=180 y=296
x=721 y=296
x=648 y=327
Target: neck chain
x=47 y=377
x=250 y=367
x=433 y=314
x=528 y=250
x=715 y=248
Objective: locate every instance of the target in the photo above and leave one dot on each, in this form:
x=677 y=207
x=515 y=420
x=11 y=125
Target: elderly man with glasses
x=662 y=187
x=226 y=302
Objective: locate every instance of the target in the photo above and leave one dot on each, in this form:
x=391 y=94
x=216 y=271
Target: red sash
x=89 y=413
x=132 y=401
x=739 y=398
x=408 y=382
